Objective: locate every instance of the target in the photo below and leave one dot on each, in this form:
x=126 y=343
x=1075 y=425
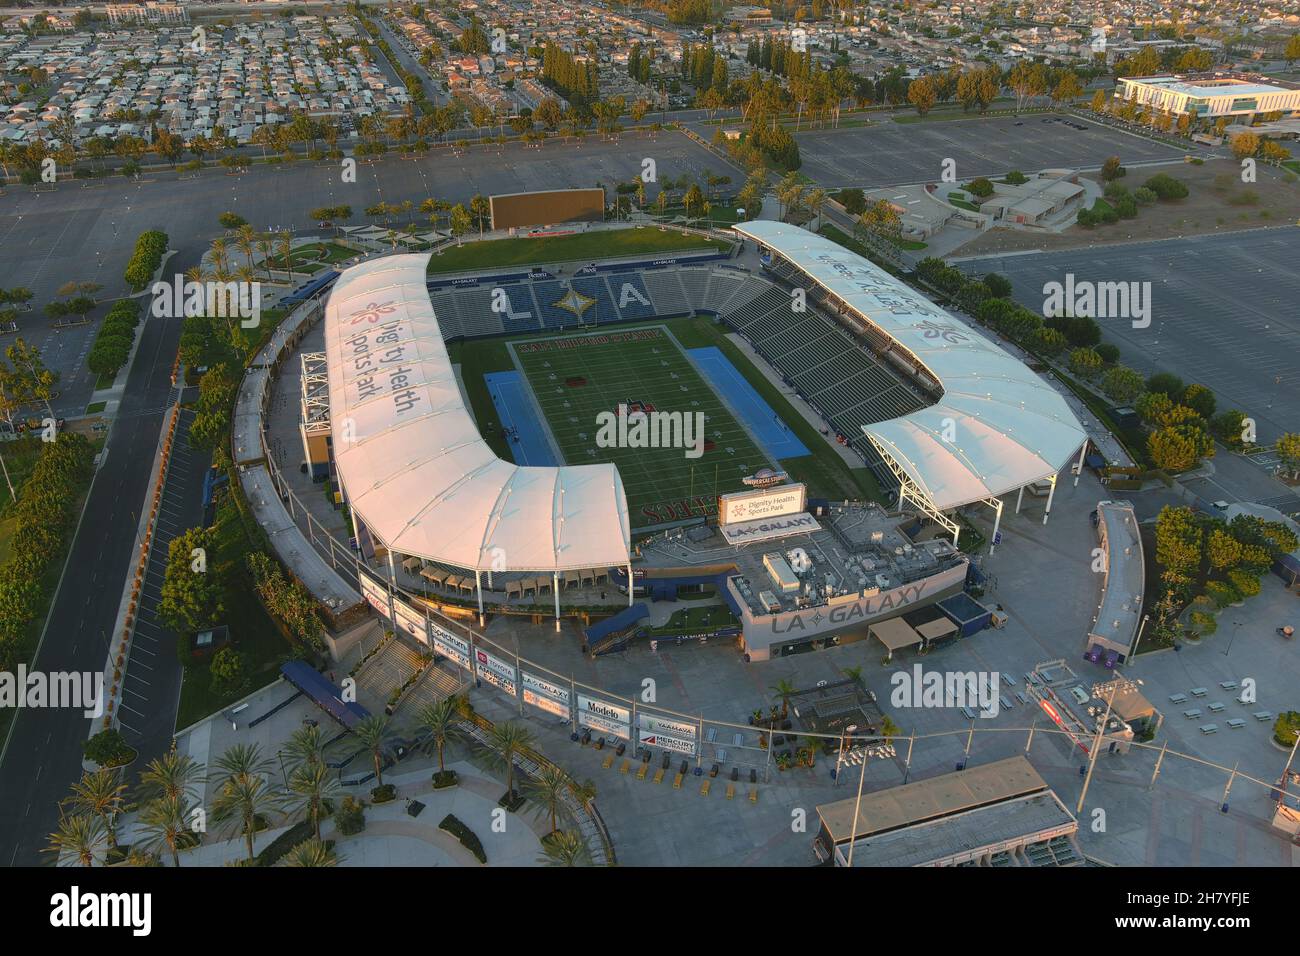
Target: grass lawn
x=104 y=381
x=963 y=204
x=252 y=630
x=588 y=246
x=639 y=365
x=1101 y=206
x=94 y=407
x=823 y=470
x=694 y=619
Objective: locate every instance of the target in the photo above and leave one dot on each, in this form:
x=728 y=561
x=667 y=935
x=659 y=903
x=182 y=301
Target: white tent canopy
x=1009 y=428
x=412 y=462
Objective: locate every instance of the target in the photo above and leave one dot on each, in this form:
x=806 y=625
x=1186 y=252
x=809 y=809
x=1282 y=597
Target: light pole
x=1096 y=745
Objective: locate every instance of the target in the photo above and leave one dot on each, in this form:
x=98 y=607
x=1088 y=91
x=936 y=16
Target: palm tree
x=439 y=722
x=241 y=760
x=264 y=250
x=306 y=746
x=311 y=853
x=547 y=789
x=506 y=741
x=220 y=256
x=163 y=821
x=286 y=248
x=240 y=801
x=815 y=200
x=565 y=849
x=172 y=775
x=374 y=734
x=99 y=794
x=310 y=785
x=854 y=674
x=80 y=836
x=785 y=689
x=245 y=242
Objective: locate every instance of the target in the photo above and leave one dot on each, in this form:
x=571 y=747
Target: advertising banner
x=450 y=645
x=410 y=620
x=601 y=725
x=665 y=742
x=664 y=725
x=765 y=503
x=495 y=671
x=376 y=594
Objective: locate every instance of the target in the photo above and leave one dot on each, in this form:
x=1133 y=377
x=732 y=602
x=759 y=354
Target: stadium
x=461 y=433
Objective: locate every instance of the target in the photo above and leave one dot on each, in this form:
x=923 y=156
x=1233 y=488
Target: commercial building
x=1000 y=814
x=1123 y=575
x=1211 y=96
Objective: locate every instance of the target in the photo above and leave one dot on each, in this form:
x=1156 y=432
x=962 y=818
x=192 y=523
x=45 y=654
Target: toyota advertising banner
x=495 y=671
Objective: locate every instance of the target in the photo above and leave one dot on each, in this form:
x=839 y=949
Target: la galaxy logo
x=575 y=302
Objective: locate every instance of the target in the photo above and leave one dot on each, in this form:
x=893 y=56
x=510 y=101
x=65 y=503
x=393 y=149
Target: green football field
x=575 y=377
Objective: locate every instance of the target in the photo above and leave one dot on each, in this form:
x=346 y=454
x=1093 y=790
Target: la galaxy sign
x=761 y=631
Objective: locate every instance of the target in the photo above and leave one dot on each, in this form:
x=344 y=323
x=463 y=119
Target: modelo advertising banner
x=495 y=671
x=410 y=620
x=450 y=646
x=601 y=725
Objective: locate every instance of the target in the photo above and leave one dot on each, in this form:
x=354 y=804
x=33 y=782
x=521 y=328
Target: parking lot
x=86 y=232
x=889 y=154
x=1222 y=312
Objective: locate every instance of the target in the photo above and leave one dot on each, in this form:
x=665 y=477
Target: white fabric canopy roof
x=412 y=461
x=1011 y=428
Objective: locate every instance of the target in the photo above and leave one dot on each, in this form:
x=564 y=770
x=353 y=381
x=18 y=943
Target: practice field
x=581 y=246
x=575 y=378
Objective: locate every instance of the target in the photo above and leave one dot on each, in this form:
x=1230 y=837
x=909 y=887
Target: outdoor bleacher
x=832 y=361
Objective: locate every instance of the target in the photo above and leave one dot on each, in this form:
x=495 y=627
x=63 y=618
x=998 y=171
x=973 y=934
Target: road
x=43 y=757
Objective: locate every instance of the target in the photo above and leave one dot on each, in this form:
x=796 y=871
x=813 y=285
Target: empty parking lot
x=1223 y=312
x=888 y=154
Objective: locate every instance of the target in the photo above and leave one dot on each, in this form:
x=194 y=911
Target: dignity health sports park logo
x=372 y=312
x=41 y=689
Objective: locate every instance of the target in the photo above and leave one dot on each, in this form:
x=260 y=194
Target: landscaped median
x=124 y=630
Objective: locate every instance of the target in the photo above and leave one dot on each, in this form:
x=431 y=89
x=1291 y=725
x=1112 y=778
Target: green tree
x=192 y=589
x=242 y=802
x=164 y=824
x=312 y=853
x=546 y=789
x=79 y=838
x=1178 y=540
x=565 y=849
x=1122 y=384
x=1288 y=450
x=438 y=721
x=310 y=786
x=506 y=741
x=100 y=794
x=229 y=670
x=374 y=734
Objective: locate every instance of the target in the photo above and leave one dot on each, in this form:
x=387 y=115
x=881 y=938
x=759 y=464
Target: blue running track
x=516 y=409
x=763 y=423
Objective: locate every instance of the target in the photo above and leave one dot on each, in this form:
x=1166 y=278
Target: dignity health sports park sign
x=764 y=503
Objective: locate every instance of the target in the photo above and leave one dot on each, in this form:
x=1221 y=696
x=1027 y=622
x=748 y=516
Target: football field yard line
x=630 y=369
